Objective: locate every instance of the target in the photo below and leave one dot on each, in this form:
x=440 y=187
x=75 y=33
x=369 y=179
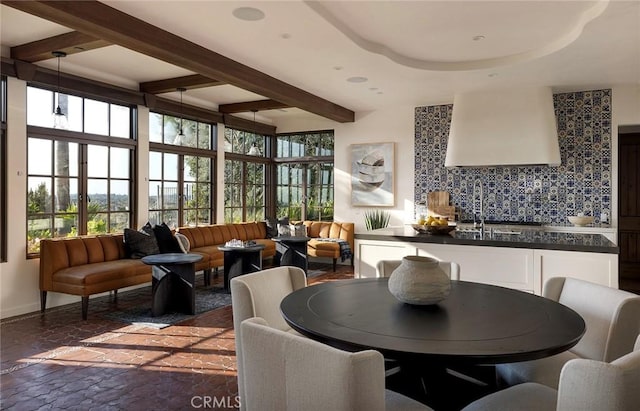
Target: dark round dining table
x=476 y=324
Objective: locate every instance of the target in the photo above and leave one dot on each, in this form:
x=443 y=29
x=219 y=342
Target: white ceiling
x=412 y=52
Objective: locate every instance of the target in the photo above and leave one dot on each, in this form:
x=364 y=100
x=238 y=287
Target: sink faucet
x=476 y=184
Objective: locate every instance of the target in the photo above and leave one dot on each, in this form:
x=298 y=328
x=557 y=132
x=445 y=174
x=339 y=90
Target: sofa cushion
x=89 y=274
x=318 y=244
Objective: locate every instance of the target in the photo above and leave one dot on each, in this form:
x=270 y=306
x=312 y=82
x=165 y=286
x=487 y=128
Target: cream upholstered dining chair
x=584 y=385
x=286 y=372
x=384 y=268
x=612 y=319
x=259 y=294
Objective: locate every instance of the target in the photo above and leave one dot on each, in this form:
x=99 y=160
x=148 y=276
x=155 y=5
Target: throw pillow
x=298 y=230
x=272 y=227
x=167 y=243
x=140 y=243
x=183 y=242
x=284 y=230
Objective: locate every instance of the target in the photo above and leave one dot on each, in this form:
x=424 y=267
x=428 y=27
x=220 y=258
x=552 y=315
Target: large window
x=180 y=171
x=246 y=173
x=304 y=176
x=78 y=182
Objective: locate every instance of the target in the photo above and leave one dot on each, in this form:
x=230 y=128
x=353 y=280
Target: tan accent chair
x=612 y=320
x=286 y=372
x=384 y=268
x=584 y=385
x=259 y=295
x=319 y=230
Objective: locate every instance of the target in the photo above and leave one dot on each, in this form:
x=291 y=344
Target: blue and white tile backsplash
x=581 y=184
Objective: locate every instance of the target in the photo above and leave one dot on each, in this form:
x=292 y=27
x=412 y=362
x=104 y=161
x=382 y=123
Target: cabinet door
x=368 y=253
x=599 y=268
x=506 y=267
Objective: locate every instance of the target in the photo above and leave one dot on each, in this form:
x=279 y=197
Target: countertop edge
x=451 y=240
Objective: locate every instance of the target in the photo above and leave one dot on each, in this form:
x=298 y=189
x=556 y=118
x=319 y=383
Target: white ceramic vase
x=419 y=280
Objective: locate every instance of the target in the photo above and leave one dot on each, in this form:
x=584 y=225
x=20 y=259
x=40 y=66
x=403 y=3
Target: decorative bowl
x=580 y=220
x=433 y=229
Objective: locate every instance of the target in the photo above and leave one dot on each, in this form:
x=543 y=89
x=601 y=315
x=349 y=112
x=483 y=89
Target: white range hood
x=513 y=127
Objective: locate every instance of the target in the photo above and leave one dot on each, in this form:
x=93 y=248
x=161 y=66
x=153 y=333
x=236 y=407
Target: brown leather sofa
x=206 y=239
x=95 y=264
x=318 y=230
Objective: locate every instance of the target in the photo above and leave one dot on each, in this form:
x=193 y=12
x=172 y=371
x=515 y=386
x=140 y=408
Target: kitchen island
x=522 y=259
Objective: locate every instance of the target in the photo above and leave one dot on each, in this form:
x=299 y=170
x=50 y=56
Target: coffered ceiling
x=333 y=59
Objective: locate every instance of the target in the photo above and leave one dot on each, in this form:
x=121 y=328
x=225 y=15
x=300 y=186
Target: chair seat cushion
x=522 y=397
x=399 y=402
x=543 y=371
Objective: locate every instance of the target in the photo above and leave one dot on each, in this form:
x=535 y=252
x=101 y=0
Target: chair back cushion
x=287 y=372
x=595 y=385
x=612 y=318
x=259 y=295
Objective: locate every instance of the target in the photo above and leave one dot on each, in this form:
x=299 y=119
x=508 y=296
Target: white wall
x=19 y=289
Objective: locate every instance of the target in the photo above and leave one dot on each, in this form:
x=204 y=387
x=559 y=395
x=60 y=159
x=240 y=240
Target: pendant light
x=254 y=150
x=59 y=118
x=179 y=139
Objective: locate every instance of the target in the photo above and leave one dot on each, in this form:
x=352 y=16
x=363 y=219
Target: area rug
x=207 y=299
x=318 y=269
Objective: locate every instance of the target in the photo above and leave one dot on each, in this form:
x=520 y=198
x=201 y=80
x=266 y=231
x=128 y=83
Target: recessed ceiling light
x=357 y=79
x=478 y=38
x=338 y=68
x=493 y=74
x=248 y=13
x=285 y=36
x=373 y=88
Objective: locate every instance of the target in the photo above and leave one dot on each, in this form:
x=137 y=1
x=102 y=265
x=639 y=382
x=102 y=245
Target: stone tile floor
x=56 y=361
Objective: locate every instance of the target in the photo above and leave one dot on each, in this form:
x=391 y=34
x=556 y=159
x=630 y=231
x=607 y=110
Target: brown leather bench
x=87 y=265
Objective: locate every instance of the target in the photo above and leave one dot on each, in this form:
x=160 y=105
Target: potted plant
x=375 y=219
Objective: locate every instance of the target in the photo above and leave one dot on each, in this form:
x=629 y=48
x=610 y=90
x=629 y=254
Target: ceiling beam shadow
x=104 y=22
x=71 y=43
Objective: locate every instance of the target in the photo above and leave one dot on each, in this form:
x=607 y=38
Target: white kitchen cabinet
x=369 y=252
x=523 y=269
x=600 y=268
x=505 y=267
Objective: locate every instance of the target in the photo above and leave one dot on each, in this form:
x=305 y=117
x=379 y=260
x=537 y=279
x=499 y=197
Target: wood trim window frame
x=182 y=152
x=3 y=169
x=305 y=161
x=84 y=140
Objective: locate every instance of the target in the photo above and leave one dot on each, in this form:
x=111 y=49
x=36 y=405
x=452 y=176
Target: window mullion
x=181 y=194
x=83 y=198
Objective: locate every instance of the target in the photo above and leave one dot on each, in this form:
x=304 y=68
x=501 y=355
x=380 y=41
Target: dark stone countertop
x=532 y=239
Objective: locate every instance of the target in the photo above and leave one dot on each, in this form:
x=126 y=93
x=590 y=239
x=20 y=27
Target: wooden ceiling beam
x=71 y=43
x=104 y=22
x=259 y=105
x=172 y=84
